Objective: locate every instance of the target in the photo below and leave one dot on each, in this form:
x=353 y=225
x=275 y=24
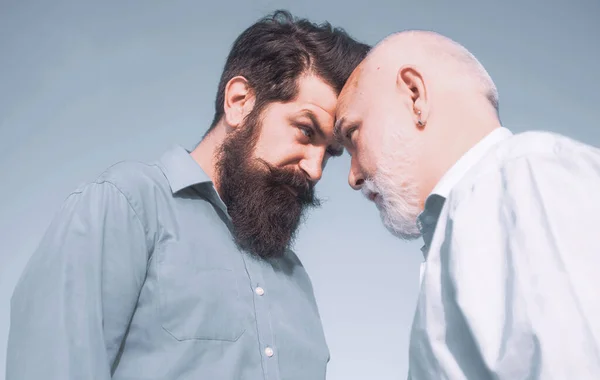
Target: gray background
x=83 y=85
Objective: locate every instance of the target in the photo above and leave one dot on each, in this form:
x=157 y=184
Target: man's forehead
x=316 y=92
x=350 y=88
x=355 y=76
x=346 y=101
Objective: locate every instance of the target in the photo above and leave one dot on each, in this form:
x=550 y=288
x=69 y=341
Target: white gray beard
x=398 y=209
x=399 y=203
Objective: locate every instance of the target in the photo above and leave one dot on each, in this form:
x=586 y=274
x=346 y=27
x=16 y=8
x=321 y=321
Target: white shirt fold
x=510 y=288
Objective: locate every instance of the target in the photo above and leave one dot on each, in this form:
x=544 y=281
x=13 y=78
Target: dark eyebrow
x=313 y=119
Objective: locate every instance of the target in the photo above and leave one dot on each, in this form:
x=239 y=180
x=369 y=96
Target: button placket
x=265 y=333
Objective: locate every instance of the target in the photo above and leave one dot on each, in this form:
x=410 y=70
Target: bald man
x=510 y=284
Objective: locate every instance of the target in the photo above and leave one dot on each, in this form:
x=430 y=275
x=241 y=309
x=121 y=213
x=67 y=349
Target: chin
x=402 y=227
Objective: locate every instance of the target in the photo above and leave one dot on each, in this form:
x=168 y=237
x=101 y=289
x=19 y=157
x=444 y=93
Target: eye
x=349 y=133
x=306 y=131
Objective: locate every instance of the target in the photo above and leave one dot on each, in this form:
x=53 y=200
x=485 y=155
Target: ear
x=410 y=82
x=239 y=101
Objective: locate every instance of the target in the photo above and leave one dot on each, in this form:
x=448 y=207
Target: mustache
x=369 y=187
x=297 y=181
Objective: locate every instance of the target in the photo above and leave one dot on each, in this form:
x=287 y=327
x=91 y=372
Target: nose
x=313 y=167
x=355 y=178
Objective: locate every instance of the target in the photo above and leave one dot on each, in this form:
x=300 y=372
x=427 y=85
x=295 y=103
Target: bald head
x=444 y=62
x=408 y=112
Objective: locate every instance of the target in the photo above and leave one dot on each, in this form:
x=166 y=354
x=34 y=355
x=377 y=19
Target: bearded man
x=181 y=268
x=509 y=281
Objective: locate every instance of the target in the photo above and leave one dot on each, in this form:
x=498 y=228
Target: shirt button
x=269 y=351
x=260 y=291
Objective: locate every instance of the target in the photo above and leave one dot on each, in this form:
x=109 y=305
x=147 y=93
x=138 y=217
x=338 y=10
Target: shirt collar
x=468 y=160
x=456 y=172
x=181 y=169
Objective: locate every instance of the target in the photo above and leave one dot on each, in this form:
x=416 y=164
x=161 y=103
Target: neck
x=449 y=144
x=205 y=153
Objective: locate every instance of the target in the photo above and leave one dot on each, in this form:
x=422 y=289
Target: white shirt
x=466 y=162
x=511 y=284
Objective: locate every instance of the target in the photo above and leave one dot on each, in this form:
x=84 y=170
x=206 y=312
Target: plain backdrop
x=86 y=84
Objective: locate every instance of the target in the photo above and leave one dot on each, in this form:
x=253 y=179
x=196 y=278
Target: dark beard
x=266 y=204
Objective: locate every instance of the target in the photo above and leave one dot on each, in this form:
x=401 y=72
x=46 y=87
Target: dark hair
x=272 y=53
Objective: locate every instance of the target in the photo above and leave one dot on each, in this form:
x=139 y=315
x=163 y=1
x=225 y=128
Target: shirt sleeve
x=520 y=273
x=73 y=303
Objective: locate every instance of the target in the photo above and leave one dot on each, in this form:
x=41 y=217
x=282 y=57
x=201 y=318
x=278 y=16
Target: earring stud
x=421 y=124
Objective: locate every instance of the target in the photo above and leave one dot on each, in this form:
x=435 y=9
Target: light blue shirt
x=138 y=277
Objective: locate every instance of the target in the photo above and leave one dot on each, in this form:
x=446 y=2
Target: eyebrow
x=314 y=121
x=317 y=126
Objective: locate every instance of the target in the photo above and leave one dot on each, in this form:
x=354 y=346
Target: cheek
x=397 y=160
x=277 y=145
x=264 y=148
x=382 y=146
x=364 y=156
x=369 y=144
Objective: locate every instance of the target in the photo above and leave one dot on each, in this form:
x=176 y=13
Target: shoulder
x=140 y=183
x=532 y=149
x=532 y=144
x=133 y=177
x=539 y=154
x=525 y=158
x=125 y=177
